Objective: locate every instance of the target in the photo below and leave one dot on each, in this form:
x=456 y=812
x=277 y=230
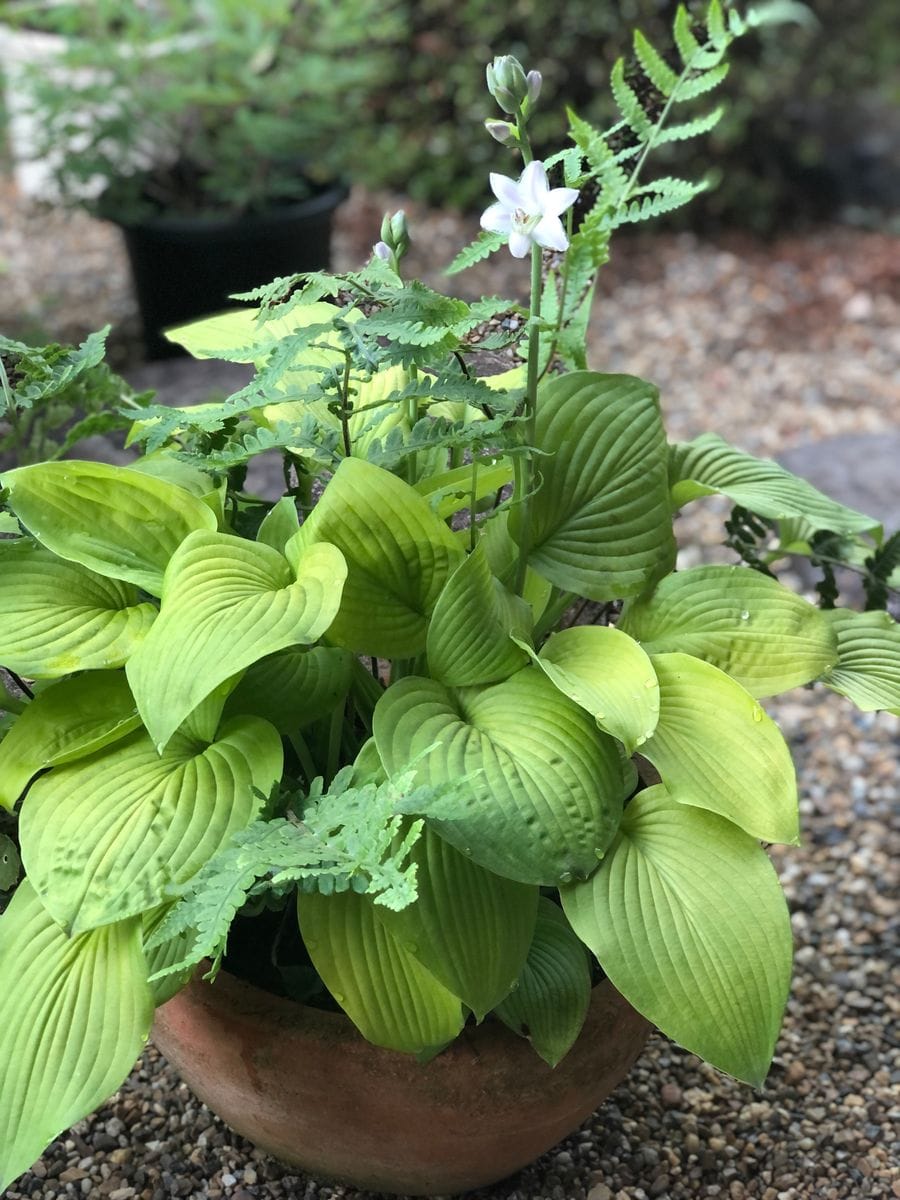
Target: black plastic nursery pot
x=187 y=267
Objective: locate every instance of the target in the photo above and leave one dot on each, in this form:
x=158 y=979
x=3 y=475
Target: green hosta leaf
x=226 y=603
x=450 y=491
x=384 y=990
x=238 y=336
x=470 y=928
x=10 y=863
x=57 y=617
x=399 y=556
x=503 y=555
x=758 y=632
x=550 y=1000
x=375 y=413
x=76 y=1014
x=120 y=523
x=120 y=832
x=688 y=921
x=546 y=788
x=294 y=687
x=868 y=666
x=715 y=748
x=609 y=675
x=67 y=721
x=279 y=524
x=469 y=638
x=708 y=465
x=601 y=522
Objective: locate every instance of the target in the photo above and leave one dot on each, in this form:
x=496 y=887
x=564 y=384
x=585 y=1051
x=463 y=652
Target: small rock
x=795 y=1071
x=72 y=1175
x=670 y=1094
x=600 y=1192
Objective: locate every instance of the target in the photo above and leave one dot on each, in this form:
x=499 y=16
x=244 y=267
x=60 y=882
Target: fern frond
x=654 y=66
x=660 y=196
x=688 y=46
x=627 y=101
x=689 y=129
x=486 y=243
x=698 y=85
x=715 y=25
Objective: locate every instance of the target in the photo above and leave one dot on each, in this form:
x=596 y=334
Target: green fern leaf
x=690 y=129
x=715 y=25
x=486 y=243
x=688 y=46
x=654 y=66
x=628 y=104
x=699 y=85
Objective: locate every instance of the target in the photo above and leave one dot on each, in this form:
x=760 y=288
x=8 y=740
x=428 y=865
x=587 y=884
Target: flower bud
x=507 y=83
x=534 y=79
x=502 y=132
x=383 y=251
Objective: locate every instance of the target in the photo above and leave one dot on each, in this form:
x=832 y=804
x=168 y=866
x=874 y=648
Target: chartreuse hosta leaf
x=57 y=617
x=399 y=556
x=120 y=523
x=469 y=927
x=76 y=1014
x=601 y=520
x=294 y=687
x=550 y=1000
x=226 y=603
x=472 y=626
x=609 y=675
x=121 y=831
x=709 y=465
x=67 y=721
x=744 y=623
x=546 y=785
x=238 y=336
x=279 y=524
x=688 y=921
x=868 y=666
x=160 y=956
x=715 y=748
x=383 y=988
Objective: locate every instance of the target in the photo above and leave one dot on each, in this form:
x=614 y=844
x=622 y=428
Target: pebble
x=771 y=345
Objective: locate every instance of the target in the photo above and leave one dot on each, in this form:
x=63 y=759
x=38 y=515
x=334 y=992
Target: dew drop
x=745 y=616
x=649 y=683
x=412 y=947
x=565 y=877
x=339 y=997
x=757 y=713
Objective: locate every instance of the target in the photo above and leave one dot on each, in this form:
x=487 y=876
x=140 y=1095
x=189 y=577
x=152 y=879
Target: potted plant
x=215 y=134
x=361 y=744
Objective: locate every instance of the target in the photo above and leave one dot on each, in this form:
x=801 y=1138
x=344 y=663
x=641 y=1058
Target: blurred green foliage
x=799 y=99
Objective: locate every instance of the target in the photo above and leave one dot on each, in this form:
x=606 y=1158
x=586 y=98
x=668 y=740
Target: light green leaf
x=57 y=617
x=163 y=464
x=238 y=336
x=609 y=675
x=118 y=833
x=688 y=921
x=708 y=465
x=551 y=998
x=601 y=522
x=120 y=523
x=384 y=990
x=654 y=65
x=503 y=555
x=374 y=413
x=449 y=491
x=67 y=721
x=715 y=748
x=741 y=621
x=546 y=787
x=76 y=1014
x=868 y=666
x=294 y=687
x=469 y=637
x=279 y=524
x=470 y=928
x=226 y=603
x=10 y=863
x=399 y=556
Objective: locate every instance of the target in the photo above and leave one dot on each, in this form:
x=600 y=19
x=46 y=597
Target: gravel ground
x=774 y=347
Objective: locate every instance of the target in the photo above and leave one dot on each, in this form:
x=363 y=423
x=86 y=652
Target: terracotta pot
x=304 y=1086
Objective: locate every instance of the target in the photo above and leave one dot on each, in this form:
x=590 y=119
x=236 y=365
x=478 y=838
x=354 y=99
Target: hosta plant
x=442 y=726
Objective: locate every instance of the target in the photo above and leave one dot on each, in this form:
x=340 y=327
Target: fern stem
x=527 y=475
x=473 y=502
x=345 y=404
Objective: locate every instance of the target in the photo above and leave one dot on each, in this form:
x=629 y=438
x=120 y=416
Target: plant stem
x=345 y=404
x=304 y=757
x=527 y=476
x=473 y=503
x=335 y=729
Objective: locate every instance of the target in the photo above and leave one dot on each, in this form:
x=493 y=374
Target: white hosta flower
x=529 y=211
